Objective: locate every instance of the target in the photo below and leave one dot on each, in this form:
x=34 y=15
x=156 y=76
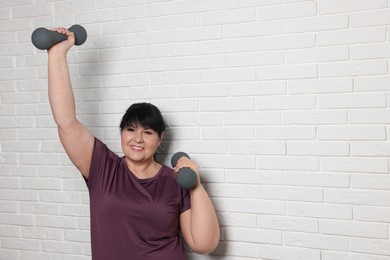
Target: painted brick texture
x=285 y=105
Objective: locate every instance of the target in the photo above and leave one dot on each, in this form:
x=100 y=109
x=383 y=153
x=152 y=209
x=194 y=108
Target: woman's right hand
x=64 y=46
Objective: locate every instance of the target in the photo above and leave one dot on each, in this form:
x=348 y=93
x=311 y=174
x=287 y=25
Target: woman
x=137 y=209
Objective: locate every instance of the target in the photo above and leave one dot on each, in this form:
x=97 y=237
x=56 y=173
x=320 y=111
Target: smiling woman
x=142 y=129
x=137 y=209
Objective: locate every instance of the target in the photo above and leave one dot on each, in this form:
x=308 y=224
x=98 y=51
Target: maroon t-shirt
x=133 y=218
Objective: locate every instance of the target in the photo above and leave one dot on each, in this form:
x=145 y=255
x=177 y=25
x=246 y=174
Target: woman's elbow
x=205 y=248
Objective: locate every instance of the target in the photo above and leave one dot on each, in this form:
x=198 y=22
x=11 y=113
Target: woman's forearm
x=204 y=223
x=60 y=90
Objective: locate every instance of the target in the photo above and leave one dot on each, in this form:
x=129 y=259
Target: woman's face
x=139 y=144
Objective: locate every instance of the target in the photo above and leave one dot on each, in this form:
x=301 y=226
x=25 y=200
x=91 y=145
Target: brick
x=176 y=78
x=286 y=252
x=227 y=104
x=142 y=38
x=195 y=7
x=31 y=11
x=20 y=244
x=232 y=4
x=130 y=53
x=351 y=36
x=353 y=229
x=41 y=233
x=256 y=206
x=318 y=55
x=361 y=100
x=316 y=241
x=77 y=236
x=371 y=149
x=228 y=133
x=318 y=24
x=238 y=220
x=196 y=34
x=288 y=224
x=175 y=22
x=348 y=69
x=318 y=117
x=319 y=210
x=319 y=86
x=41 y=184
x=370 y=51
x=354 y=164
x=252 y=29
x=372 y=214
x=352 y=133
x=254 y=59
x=62 y=247
x=169 y=50
x=257 y=88
x=9 y=183
x=56 y=222
x=334 y=6
x=308 y=194
x=286 y=102
x=315 y=179
x=228 y=17
x=204 y=90
x=224 y=46
x=370 y=18
x=250 y=147
x=202 y=119
x=370 y=246
x=350 y=256
x=286 y=11
x=287 y=72
x=198 y=63
x=357 y=197
x=234 y=190
x=377 y=83
x=285 y=132
x=284 y=42
x=16 y=220
x=372 y=182
x=253 y=176
x=304 y=163
x=228 y=75
x=39 y=208
x=254 y=235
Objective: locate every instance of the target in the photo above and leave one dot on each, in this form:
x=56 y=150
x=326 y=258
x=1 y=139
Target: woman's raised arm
x=77 y=140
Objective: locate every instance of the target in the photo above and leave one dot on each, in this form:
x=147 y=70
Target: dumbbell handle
x=44 y=39
x=186 y=177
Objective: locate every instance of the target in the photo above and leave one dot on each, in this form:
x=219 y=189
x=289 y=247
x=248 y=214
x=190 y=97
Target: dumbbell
x=44 y=39
x=186 y=177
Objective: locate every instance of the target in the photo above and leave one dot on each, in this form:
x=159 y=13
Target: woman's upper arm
x=78 y=142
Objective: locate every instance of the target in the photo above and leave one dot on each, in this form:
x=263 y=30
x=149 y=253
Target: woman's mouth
x=136 y=148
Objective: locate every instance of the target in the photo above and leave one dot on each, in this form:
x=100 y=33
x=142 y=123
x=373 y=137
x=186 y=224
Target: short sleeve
x=102 y=163
x=186 y=200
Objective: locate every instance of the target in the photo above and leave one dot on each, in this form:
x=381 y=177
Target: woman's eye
x=148 y=132
x=130 y=129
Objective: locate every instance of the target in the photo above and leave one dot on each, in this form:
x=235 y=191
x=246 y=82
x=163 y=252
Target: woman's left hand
x=185 y=162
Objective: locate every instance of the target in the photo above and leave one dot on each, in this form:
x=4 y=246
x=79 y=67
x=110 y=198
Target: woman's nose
x=138 y=137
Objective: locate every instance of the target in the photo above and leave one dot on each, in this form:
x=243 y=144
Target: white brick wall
x=284 y=104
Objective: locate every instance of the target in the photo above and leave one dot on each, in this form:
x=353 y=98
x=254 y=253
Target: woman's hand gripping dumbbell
x=186 y=177
x=44 y=39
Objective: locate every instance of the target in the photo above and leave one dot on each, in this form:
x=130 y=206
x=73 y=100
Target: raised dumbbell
x=44 y=39
x=186 y=177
